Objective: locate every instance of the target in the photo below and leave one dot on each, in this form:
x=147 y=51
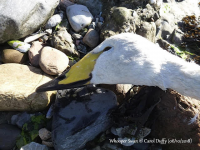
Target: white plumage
x=133 y=59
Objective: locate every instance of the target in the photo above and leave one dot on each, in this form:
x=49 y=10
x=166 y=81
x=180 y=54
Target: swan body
x=131 y=59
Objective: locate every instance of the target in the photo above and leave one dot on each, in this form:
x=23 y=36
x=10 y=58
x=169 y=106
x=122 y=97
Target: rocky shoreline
x=39 y=40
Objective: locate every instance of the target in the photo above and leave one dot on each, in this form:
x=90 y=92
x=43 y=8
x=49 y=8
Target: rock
x=77 y=36
x=147 y=30
x=93 y=105
x=44 y=134
x=13 y=56
x=54 y=20
x=48 y=144
x=34 y=53
x=53 y=61
x=17 y=90
x=177 y=37
x=65 y=3
x=79 y=16
x=91 y=38
x=34 y=37
x=177 y=118
x=119 y=20
x=8 y=136
x=62 y=41
x=156 y=3
x=20 y=46
x=20 y=119
x=34 y=146
x=26 y=17
x=173 y=12
x=49 y=31
x=121 y=14
x=95 y=6
x=166 y=30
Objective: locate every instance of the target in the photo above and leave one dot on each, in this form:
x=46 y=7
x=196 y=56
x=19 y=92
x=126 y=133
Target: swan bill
x=79 y=75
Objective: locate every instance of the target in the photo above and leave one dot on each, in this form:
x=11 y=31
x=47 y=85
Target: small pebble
x=49 y=31
x=54 y=20
x=77 y=36
x=44 y=134
x=91 y=38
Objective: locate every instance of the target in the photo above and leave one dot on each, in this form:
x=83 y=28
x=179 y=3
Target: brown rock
x=34 y=53
x=13 y=56
x=91 y=38
x=177 y=118
x=17 y=90
x=53 y=61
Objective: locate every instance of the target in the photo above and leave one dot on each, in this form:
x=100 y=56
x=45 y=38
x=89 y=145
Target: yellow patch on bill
x=82 y=69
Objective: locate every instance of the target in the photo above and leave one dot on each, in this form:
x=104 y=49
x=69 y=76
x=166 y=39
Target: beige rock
x=53 y=61
x=17 y=90
x=62 y=41
x=34 y=53
x=91 y=38
x=13 y=56
x=44 y=134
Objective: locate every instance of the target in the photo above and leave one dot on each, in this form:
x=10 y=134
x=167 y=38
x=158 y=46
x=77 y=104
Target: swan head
x=108 y=63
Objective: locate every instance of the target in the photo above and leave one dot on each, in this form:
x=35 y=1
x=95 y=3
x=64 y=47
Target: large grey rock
x=81 y=118
x=8 y=136
x=79 y=16
x=53 y=61
x=17 y=90
x=20 y=18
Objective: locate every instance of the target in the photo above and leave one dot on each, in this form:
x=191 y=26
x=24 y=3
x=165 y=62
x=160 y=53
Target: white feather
x=133 y=59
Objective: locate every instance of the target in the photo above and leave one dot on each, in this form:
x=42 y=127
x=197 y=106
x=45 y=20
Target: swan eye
x=106 y=49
